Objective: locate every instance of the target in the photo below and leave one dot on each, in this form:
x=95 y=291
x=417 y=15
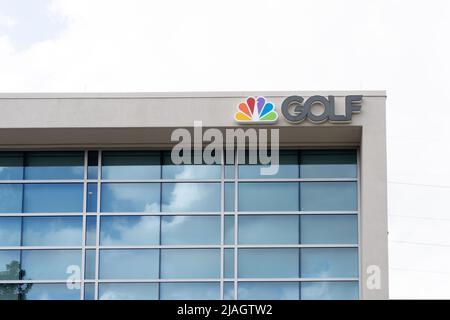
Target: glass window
x=329 y=290
x=51 y=198
x=11 y=166
x=190 y=291
x=271 y=196
x=328 y=196
x=229 y=230
x=229 y=171
x=52 y=231
x=190 y=263
x=11 y=198
x=288 y=168
x=268 y=291
x=89 y=271
x=131 y=165
x=329 y=262
x=329 y=229
x=268 y=229
x=9 y=265
x=189 y=171
x=128 y=291
x=92 y=165
x=129 y=264
x=91 y=205
x=50 y=264
x=228 y=268
x=268 y=263
x=229 y=197
x=10 y=231
x=130 y=197
x=228 y=291
x=187 y=230
x=191 y=197
x=91 y=230
x=54 y=165
x=89 y=291
x=129 y=230
x=54 y=291
x=328 y=164
x=9 y=291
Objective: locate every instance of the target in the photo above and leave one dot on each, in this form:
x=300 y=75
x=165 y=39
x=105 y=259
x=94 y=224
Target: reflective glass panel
x=268 y=291
x=130 y=197
x=91 y=230
x=10 y=231
x=228 y=268
x=328 y=196
x=92 y=165
x=11 y=166
x=229 y=197
x=131 y=165
x=11 y=198
x=329 y=290
x=10 y=291
x=53 y=291
x=52 y=231
x=190 y=291
x=268 y=263
x=269 y=196
x=229 y=230
x=51 y=198
x=54 y=165
x=89 y=291
x=129 y=230
x=89 y=271
x=187 y=230
x=91 y=201
x=329 y=229
x=329 y=262
x=191 y=197
x=129 y=264
x=50 y=264
x=268 y=229
x=228 y=291
x=9 y=264
x=128 y=291
x=288 y=168
x=328 y=164
x=189 y=171
x=190 y=263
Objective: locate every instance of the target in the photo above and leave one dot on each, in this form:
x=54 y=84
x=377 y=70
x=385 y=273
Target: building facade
x=92 y=205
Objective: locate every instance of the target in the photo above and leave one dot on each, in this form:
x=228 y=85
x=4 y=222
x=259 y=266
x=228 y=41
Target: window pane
x=49 y=264
x=329 y=262
x=9 y=264
x=268 y=229
x=129 y=230
x=268 y=263
x=229 y=197
x=327 y=290
x=229 y=171
x=89 y=272
x=129 y=264
x=191 y=197
x=92 y=165
x=128 y=291
x=58 y=291
x=328 y=196
x=228 y=291
x=91 y=230
x=271 y=196
x=52 y=231
x=190 y=291
x=328 y=164
x=51 y=198
x=10 y=231
x=91 y=205
x=329 y=229
x=11 y=166
x=190 y=230
x=89 y=291
x=288 y=168
x=11 y=198
x=196 y=263
x=130 y=197
x=228 y=268
x=54 y=165
x=10 y=291
x=131 y=165
x=189 y=171
x=268 y=291
x=229 y=230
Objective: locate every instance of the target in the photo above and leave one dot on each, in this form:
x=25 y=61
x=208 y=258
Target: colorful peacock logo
x=256 y=111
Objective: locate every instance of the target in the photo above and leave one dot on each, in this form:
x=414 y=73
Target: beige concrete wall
x=137 y=120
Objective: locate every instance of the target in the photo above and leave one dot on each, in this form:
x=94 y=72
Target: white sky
x=168 y=45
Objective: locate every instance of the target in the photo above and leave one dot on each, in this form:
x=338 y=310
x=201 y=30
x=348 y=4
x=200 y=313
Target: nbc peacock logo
x=256 y=110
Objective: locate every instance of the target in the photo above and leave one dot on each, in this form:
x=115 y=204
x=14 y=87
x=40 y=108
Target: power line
x=443 y=245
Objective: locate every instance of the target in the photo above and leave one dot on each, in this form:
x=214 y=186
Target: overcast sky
x=399 y=46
